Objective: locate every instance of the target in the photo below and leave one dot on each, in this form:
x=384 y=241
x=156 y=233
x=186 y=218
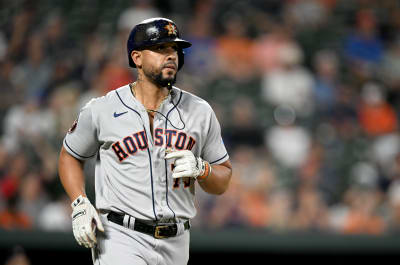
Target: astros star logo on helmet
x=171 y=29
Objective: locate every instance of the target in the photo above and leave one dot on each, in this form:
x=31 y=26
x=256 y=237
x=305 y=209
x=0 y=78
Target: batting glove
x=84 y=222
x=187 y=165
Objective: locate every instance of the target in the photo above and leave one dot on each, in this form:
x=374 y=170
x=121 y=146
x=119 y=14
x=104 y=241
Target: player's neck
x=149 y=94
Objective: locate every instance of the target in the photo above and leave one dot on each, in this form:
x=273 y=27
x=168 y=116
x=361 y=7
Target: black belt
x=156 y=230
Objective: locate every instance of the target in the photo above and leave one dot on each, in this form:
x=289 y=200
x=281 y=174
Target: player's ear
x=137 y=58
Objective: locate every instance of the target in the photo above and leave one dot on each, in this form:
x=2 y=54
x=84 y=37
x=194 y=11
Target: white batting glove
x=187 y=165
x=83 y=216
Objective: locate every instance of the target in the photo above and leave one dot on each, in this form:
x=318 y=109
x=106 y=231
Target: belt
x=161 y=230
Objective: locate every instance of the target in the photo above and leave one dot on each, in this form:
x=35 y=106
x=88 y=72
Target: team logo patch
x=73 y=127
x=171 y=29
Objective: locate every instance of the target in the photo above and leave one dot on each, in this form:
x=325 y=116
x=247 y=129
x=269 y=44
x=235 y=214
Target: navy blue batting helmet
x=154 y=31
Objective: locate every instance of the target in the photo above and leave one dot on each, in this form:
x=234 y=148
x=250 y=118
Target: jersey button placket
x=160 y=151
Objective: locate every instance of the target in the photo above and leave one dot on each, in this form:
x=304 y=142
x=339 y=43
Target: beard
x=164 y=82
x=156 y=77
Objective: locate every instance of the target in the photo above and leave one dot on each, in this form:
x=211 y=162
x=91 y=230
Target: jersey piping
x=83 y=157
x=148 y=151
x=219 y=159
x=165 y=162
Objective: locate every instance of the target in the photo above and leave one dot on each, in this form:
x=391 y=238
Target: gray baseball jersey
x=132 y=175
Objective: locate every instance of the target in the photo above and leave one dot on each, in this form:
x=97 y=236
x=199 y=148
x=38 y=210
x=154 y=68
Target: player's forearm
x=71 y=175
x=218 y=181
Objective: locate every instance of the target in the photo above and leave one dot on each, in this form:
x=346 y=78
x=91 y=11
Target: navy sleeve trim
x=219 y=159
x=83 y=157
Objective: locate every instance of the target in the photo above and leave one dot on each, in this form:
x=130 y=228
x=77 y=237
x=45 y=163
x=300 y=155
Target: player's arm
x=217 y=181
x=212 y=179
x=71 y=175
x=84 y=216
x=80 y=142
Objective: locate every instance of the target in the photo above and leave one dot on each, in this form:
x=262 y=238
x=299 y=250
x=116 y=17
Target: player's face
x=160 y=63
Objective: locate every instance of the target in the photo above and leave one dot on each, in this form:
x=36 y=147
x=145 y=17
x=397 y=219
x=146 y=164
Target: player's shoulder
x=188 y=98
x=108 y=99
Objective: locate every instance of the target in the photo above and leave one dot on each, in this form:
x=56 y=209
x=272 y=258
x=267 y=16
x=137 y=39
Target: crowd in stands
x=307 y=93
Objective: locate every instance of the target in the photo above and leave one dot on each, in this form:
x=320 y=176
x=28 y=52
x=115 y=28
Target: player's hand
x=187 y=165
x=84 y=222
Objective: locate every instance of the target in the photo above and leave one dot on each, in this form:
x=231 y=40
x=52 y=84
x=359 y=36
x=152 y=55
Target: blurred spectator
x=254 y=207
x=234 y=49
x=56 y=40
x=56 y=215
x=201 y=58
x=246 y=202
x=95 y=47
x=10 y=181
x=288 y=143
x=363 y=46
x=137 y=12
x=390 y=69
x=22 y=24
x=115 y=75
x=10 y=95
x=393 y=170
x=62 y=105
x=12 y=218
x=113 y=69
x=376 y=116
x=326 y=66
x=362 y=202
x=224 y=211
x=393 y=21
x=26 y=123
x=35 y=71
x=62 y=76
x=18 y=257
x=98 y=86
x=32 y=197
x=389 y=73
x=394 y=207
x=254 y=204
x=290 y=84
x=305 y=13
x=311 y=212
x=4 y=163
x=253 y=169
x=384 y=150
x=266 y=49
x=3 y=46
x=280 y=206
x=244 y=128
x=316 y=174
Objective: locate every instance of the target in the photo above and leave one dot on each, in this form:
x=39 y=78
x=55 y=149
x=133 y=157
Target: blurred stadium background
x=307 y=92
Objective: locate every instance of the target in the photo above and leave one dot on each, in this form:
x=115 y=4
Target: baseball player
x=153 y=142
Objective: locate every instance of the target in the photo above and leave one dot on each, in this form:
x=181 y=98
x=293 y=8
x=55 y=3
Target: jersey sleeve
x=81 y=140
x=214 y=150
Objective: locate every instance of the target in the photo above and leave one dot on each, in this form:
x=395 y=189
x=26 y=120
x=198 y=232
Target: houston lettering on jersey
x=178 y=140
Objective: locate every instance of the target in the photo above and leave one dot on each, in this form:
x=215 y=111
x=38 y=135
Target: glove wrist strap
x=205 y=172
x=78 y=201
